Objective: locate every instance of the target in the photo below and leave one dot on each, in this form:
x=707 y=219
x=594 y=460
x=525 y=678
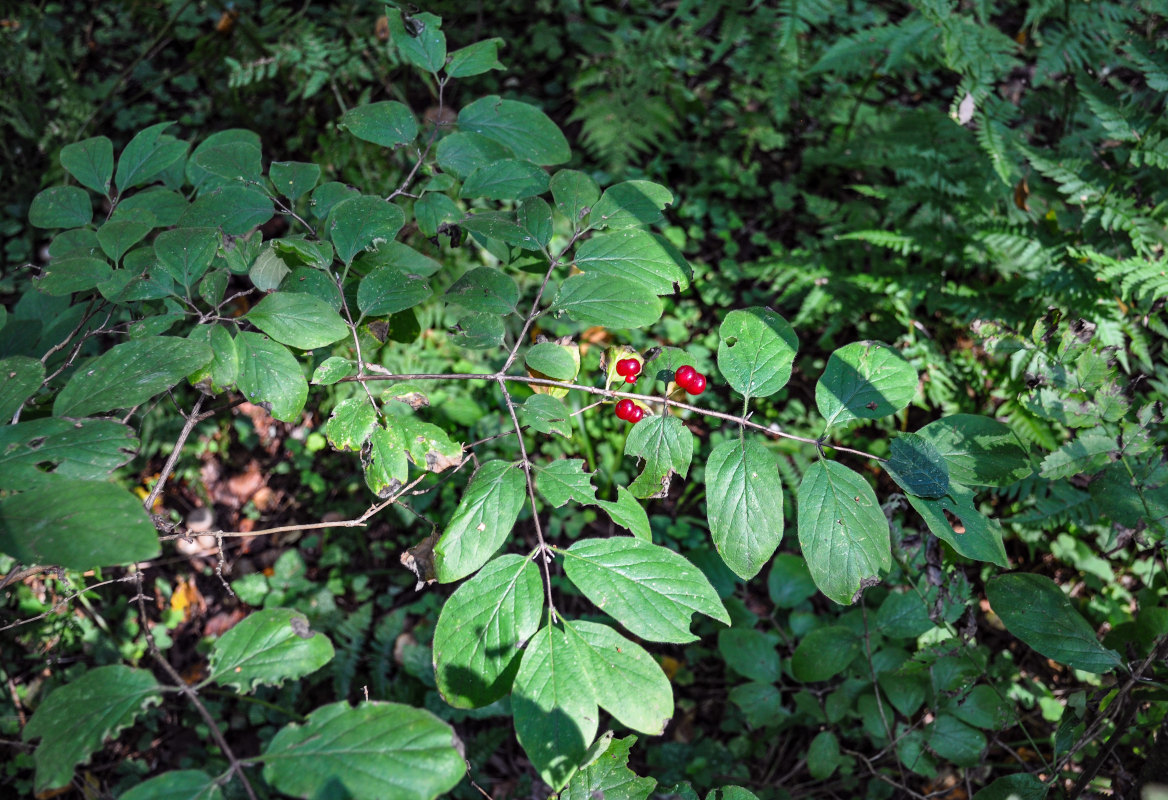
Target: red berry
x=636 y=415
x=684 y=375
x=628 y=367
x=625 y=408
x=697 y=384
x=631 y=378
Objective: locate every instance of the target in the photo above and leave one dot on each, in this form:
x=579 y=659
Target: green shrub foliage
x=921 y=266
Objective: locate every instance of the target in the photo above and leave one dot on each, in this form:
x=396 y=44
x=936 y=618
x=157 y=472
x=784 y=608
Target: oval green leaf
x=864 y=380
x=524 y=129
x=744 y=504
x=649 y=589
x=361 y=223
x=481 y=523
x=387 y=123
x=270 y=375
x=1035 y=609
x=267 y=648
x=756 y=348
x=917 y=466
x=299 y=320
x=842 y=531
x=130 y=373
x=481 y=628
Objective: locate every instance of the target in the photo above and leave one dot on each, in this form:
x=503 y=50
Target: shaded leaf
x=91 y=162
x=756 y=350
x=387 y=123
x=521 y=127
x=744 y=504
x=649 y=589
x=864 y=380
x=270 y=375
x=483 y=520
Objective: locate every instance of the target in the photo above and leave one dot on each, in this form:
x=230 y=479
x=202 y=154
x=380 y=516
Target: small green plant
x=549 y=624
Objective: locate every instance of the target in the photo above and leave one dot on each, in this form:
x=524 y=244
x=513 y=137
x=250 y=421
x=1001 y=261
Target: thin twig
x=64 y=602
x=192 y=420
x=614 y=395
x=235 y=766
x=543 y=554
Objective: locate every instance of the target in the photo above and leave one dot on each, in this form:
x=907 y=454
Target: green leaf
x=545 y=414
x=75 y=720
x=558 y=361
x=298 y=320
x=511 y=179
x=147 y=155
x=76 y=524
x=157 y=206
x=268 y=271
x=649 y=589
x=501 y=227
x=906 y=688
x=481 y=523
x=185 y=784
x=1021 y=786
x=917 y=466
x=91 y=162
x=823 y=755
x=824 y=653
x=985 y=708
x=535 y=216
x=574 y=193
x=230 y=161
x=61 y=207
x=294 y=179
x=981 y=537
x=523 y=128
x=267 y=648
x=388 y=290
x=631 y=204
x=609 y=776
x=1035 y=609
x=864 y=380
x=78 y=242
x=328 y=195
x=270 y=375
x=481 y=629
x=485 y=290
x=361 y=223
x=69 y=275
x=461 y=153
x=903 y=615
x=233 y=209
x=333 y=369
x=398 y=256
x=376 y=751
x=625 y=680
x=479 y=331
x=223 y=371
x=842 y=531
x=761 y=703
x=185 y=253
x=666 y=446
x=318 y=255
x=387 y=123
x=979 y=451
x=744 y=504
x=418 y=38
x=118 y=236
x=129 y=374
x=555 y=711
x=20 y=379
x=351 y=424
x=644 y=258
x=475 y=59
x=789 y=582
x=87 y=450
x=597 y=299
x=628 y=513
x=225 y=157
x=385 y=463
x=956 y=742
x=1088 y=452
x=756 y=348
x=429 y=446
x=563 y=480
x=750 y=653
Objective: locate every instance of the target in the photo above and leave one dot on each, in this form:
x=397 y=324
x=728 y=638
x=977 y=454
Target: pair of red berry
x=629 y=369
x=629 y=411
x=690 y=379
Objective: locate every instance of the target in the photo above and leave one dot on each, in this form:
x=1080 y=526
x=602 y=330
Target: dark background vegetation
x=940 y=176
